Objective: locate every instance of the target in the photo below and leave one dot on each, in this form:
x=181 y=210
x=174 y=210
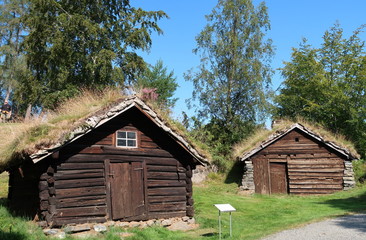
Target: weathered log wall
x=312 y=168
x=23 y=192
x=75 y=189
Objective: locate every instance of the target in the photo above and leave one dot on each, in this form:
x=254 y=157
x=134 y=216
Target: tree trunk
x=28 y=113
x=8 y=91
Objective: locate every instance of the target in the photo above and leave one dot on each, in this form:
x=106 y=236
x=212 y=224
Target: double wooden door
x=270 y=177
x=127 y=192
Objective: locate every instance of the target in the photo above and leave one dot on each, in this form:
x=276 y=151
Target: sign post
x=225 y=208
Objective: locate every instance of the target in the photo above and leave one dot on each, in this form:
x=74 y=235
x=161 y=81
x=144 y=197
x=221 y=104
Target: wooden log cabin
x=122 y=164
x=295 y=160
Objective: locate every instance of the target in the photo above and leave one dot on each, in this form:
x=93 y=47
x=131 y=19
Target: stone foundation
x=247 y=183
x=348 y=176
x=94 y=230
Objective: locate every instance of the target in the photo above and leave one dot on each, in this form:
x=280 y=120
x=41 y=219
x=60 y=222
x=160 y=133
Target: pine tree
x=157 y=77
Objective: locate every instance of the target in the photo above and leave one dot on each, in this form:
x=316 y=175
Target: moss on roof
x=52 y=128
x=262 y=135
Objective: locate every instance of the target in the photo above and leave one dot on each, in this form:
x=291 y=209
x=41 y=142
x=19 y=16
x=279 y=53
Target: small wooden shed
x=123 y=163
x=296 y=160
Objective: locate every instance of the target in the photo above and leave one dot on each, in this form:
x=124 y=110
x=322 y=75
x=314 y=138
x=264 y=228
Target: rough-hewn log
x=44 y=205
x=157 y=168
x=190 y=202
x=81 y=201
x=312 y=191
x=315 y=186
x=81 y=211
x=61 y=221
x=189 y=172
x=190 y=211
x=79 y=174
x=166 y=183
x=77 y=183
x=76 y=166
x=321 y=174
x=163 y=199
x=172 y=206
x=42 y=185
x=80 y=192
x=44 y=195
x=150 y=152
x=316 y=170
x=50 y=170
x=316 y=161
x=52 y=200
x=51 y=191
x=166 y=175
x=167 y=214
x=166 y=191
x=316 y=181
x=52 y=209
x=50 y=180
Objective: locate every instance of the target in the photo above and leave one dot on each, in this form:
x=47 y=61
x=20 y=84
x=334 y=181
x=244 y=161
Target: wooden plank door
x=278 y=177
x=261 y=175
x=127 y=190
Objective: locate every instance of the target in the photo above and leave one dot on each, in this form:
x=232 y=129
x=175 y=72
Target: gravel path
x=341 y=228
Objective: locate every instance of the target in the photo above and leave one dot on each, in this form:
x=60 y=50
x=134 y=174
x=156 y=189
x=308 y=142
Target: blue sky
x=291 y=20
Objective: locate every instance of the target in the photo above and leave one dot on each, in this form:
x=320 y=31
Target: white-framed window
x=127 y=139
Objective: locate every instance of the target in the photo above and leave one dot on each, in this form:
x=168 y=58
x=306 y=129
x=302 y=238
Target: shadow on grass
x=352 y=204
x=209 y=234
x=235 y=174
x=6 y=231
x=12 y=236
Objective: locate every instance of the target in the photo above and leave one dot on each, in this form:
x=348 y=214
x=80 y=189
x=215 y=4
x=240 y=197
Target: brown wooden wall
x=309 y=167
x=76 y=188
x=23 y=192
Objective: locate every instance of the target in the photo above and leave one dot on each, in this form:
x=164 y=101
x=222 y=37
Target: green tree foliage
x=12 y=30
x=84 y=44
x=232 y=81
x=328 y=85
x=158 y=77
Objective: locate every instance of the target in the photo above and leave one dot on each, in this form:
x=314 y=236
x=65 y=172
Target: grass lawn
x=256 y=216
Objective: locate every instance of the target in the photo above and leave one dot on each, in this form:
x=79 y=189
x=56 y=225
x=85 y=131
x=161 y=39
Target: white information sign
x=225 y=207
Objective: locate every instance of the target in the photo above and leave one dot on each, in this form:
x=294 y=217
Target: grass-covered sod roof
x=262 y=137
x=45 y=134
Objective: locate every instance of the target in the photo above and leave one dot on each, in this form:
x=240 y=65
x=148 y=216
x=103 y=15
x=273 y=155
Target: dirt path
x=341 y=228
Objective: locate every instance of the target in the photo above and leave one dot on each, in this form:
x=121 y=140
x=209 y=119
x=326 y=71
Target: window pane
x=121 y=142
x=131 y=135
x=121 y=134
x=131 y=143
